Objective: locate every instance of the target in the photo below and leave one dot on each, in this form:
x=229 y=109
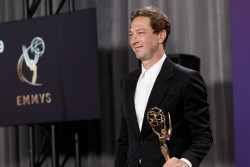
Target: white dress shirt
x=143 y=89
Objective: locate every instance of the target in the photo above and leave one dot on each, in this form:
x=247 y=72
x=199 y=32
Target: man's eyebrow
x=138 y=29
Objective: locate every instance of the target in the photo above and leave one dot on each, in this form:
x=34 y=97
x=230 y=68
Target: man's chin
x=139 y=57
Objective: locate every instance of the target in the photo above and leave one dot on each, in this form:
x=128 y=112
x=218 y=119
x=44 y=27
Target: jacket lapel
x=158 y=91
x=130 y=95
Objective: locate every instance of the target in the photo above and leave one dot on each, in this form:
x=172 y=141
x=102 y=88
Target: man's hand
x=174 y=162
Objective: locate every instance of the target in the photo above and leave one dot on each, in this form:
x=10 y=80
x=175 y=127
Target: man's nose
x=134 y=40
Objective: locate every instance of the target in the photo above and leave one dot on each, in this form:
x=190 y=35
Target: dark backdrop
x=200 y=28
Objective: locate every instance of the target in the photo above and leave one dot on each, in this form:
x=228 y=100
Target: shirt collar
x=155 y=69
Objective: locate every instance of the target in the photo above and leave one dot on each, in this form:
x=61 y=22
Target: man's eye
x=140 y=32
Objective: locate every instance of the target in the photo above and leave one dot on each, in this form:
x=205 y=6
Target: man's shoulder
x=182 y=68
x=184 y=71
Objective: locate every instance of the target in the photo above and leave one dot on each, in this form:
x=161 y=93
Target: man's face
x=144 y=43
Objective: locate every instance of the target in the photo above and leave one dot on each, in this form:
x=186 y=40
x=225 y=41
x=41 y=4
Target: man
x=172 y=88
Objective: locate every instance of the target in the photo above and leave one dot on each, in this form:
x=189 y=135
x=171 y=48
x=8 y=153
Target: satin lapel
x=131 y=105
x=159 y=90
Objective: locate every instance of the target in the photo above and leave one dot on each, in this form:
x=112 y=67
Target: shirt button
x=142 y=141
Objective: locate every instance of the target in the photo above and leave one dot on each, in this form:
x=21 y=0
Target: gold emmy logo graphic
x=31 y=56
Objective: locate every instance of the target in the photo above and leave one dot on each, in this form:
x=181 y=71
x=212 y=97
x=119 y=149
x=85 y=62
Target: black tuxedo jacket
x=182 y=93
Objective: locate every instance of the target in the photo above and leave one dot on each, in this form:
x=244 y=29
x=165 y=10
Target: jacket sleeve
x=122 y=145
x=122 y=141
x=196 y=113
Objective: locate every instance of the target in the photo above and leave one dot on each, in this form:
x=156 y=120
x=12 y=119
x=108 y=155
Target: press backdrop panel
x=49 y=69
x=240 y=15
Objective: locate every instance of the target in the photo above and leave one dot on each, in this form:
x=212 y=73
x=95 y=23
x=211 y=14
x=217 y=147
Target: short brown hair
x=158 y=20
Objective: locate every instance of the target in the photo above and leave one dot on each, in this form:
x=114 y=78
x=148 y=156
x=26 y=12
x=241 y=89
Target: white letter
x=1 y=46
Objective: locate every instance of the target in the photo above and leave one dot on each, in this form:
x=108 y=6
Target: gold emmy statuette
x=157 y=121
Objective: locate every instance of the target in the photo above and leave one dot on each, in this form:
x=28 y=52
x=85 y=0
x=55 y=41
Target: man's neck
x=147 y=64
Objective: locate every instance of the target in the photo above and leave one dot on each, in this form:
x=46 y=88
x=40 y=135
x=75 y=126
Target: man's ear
x=162 y=35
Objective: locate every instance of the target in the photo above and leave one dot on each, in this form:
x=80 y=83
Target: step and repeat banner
x=240 y=27
x=49 y=69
